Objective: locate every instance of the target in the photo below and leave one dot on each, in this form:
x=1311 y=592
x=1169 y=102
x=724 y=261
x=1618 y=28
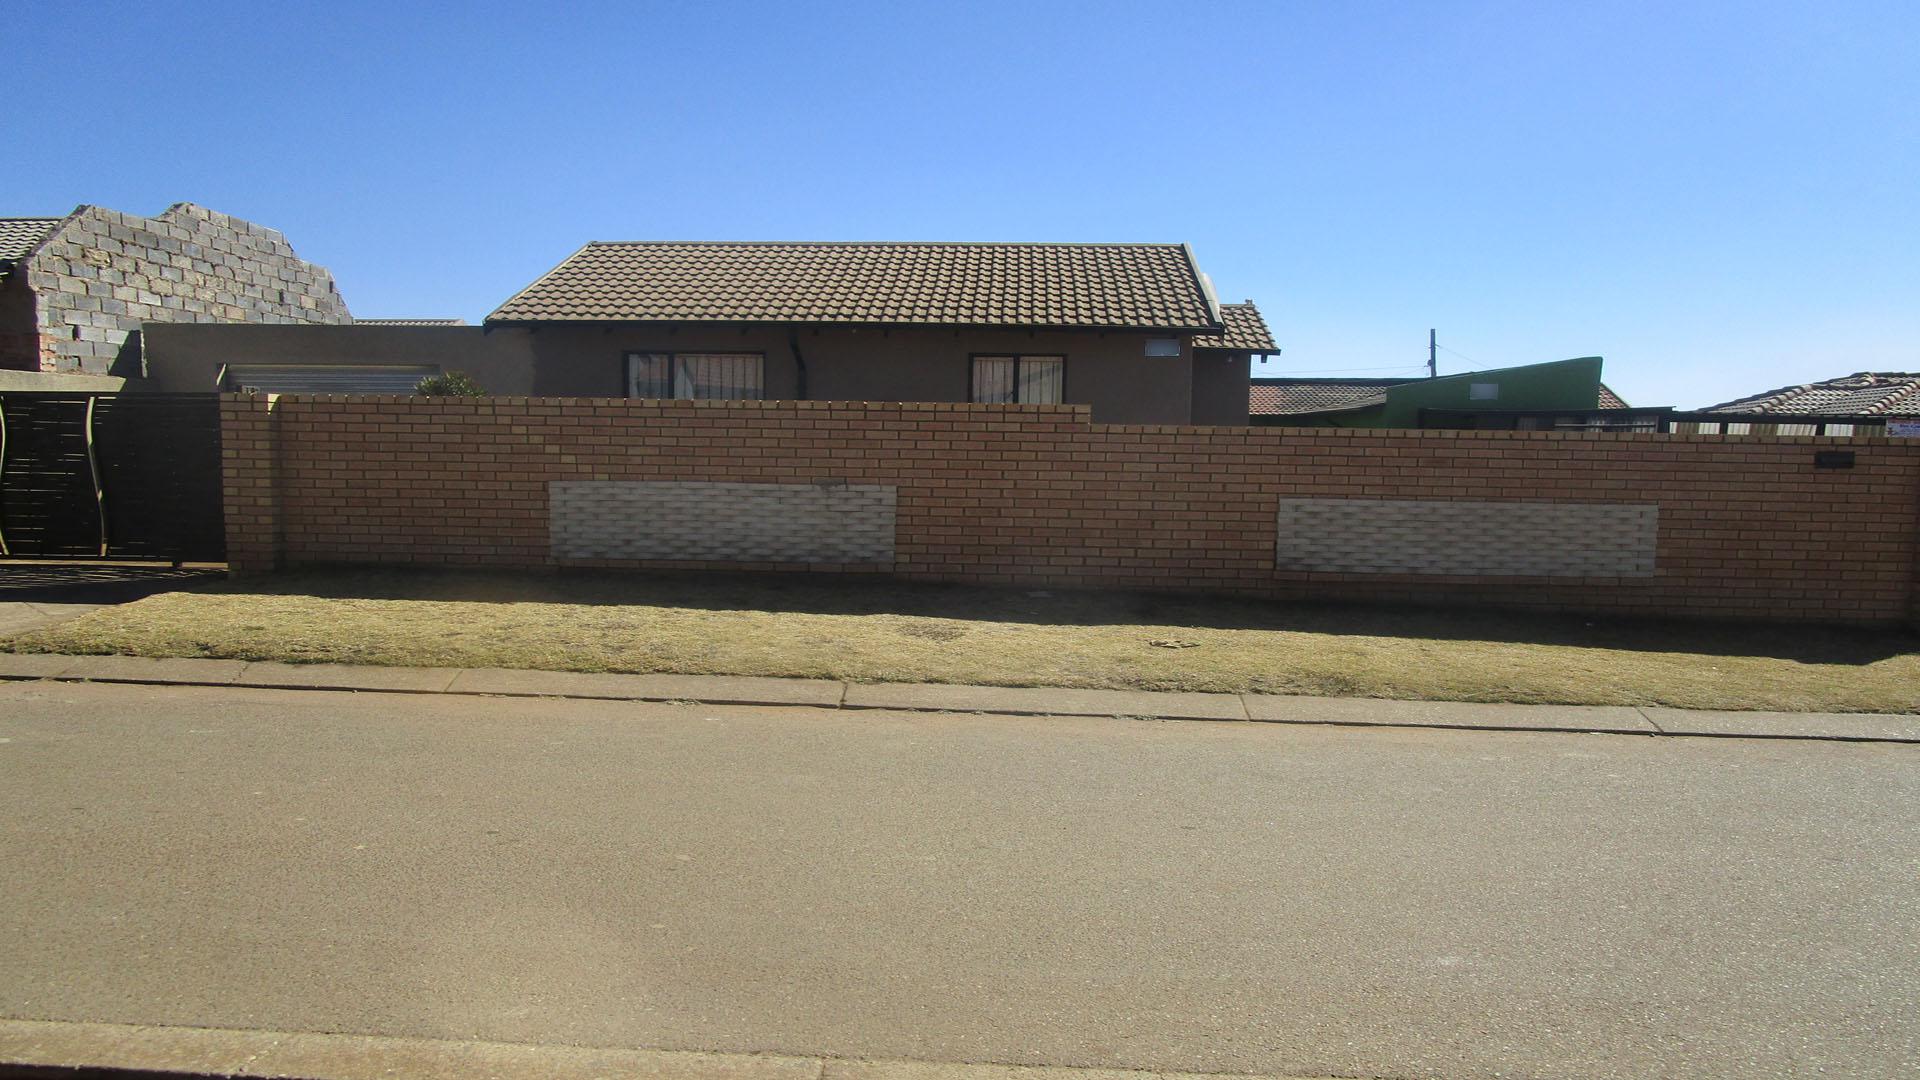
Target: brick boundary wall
x=1745 y=525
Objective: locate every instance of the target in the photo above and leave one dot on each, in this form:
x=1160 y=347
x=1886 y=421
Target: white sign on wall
x=1904 y=429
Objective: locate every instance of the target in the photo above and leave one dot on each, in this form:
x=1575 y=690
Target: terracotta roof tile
x=1246 y=331
x=1611 y=400
x=1131 y=286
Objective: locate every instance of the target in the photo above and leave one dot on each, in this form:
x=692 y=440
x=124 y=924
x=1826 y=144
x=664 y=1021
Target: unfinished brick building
x=73 y=288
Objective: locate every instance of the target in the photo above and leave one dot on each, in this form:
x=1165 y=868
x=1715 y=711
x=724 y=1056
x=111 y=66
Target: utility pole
x=1433 y=354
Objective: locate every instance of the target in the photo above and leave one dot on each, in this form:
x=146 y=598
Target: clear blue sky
x=1718 y=198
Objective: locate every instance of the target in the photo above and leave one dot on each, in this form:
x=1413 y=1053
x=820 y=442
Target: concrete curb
x=1044 y=701
x=180 y=1051
x=942 y=698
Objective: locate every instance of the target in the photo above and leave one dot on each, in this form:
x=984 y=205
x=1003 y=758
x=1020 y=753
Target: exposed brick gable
x=102 y=273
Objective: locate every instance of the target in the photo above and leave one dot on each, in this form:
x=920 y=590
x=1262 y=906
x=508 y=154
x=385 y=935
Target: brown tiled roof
x=1865 y=393
x=410 y=322
x=1611 y=400
x=1292 y=397
x=1121 y=286
x=20 y=235
x=1246 y=330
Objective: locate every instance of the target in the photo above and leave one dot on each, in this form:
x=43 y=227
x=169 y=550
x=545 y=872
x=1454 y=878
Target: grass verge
x=868 y=631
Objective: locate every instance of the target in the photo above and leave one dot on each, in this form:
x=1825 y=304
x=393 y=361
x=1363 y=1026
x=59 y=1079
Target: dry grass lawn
x=886 y=631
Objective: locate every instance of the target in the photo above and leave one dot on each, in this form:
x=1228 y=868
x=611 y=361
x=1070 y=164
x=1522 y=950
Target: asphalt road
x=1203 y=896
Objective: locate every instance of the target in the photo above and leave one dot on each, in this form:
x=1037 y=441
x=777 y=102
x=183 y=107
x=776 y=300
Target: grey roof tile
x=1864 y=393
x=18 y=236
x=1292 y=397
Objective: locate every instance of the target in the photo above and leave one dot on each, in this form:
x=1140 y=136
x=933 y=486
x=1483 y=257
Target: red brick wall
x=1037 y=494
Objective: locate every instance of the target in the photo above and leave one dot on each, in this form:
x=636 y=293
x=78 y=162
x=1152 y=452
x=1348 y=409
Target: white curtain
x=718 y=376
x=1042 y=379
x=1028 y=380
x=647 y=375
x=701 y=376
x=993 y=379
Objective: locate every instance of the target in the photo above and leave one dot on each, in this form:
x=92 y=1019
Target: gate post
x=250 y=481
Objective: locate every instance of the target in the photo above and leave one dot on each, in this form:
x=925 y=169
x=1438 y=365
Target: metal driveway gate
x=130 y=476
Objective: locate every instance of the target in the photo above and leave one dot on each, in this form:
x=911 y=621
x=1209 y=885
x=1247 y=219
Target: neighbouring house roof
x=1864 y=393
x=1246 y=331
x=410 y=322
x=1292 y=397
x=19 y=236
x=1296 y=397
x=1105 y=286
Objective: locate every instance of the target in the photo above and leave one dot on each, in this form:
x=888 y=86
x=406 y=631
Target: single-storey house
x=1132 y=330
x=1560 y=386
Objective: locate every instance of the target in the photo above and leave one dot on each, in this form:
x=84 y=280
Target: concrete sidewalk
x=929 y=697
x=19 y=616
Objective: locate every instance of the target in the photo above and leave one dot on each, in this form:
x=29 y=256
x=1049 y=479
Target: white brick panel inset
x=1479 y=539
x=711 y=522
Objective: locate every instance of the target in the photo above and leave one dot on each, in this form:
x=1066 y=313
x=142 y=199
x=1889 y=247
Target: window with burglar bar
x=1023 y=380
x=697 y=376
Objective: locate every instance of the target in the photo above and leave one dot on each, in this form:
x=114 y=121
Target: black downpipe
x=799 y=365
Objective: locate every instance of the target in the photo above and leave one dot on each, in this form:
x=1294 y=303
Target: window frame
x=973 y=364
x=627 y=356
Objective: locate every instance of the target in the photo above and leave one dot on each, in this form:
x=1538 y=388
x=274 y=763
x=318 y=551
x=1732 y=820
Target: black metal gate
x=129 y=476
